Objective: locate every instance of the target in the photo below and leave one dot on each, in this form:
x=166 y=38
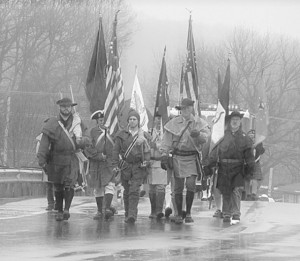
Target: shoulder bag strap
x=68 y=134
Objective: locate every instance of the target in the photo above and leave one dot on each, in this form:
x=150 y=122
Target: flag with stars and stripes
x=114 y=85
x=191 y=75
x=162 y=97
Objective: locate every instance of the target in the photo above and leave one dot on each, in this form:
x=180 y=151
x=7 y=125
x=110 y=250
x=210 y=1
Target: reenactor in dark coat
x=232 y=155
x=61 y=140
x=99 y=154
x=131 y=145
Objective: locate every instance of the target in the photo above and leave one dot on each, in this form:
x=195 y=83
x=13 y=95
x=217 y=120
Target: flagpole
x=72 y=96
x=158 y=91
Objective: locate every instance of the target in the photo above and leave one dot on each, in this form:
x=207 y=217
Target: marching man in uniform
x=184 y=136
x=231 y=156
x=132 y=146
x=100 y=155
x=59 y=154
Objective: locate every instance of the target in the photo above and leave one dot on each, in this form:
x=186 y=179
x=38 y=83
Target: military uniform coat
x=139 y=153
x=57 y=152
x=232 y=154
x=176 y=138
x=100 y=169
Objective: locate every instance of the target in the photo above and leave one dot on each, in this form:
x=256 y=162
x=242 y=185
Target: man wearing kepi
x=61 y=140
x=184 y=136
x=131 y=145
x=232 y=155
x=100 y=155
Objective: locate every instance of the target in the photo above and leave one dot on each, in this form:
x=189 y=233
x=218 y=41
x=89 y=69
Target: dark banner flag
x=191 y=74
x=162 y=97
x=95 y=84
x=114 y=85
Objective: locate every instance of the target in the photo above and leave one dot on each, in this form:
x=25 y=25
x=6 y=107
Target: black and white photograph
x=149 y=130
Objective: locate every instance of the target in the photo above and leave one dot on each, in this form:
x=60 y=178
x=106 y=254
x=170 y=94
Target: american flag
x=162 y=97
x=114 y=85
x=190 y=74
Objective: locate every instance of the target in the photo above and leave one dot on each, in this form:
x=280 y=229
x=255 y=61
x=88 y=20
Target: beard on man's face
x=65 y=112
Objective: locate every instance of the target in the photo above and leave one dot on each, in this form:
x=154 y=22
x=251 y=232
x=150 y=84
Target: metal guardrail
x=21 y=175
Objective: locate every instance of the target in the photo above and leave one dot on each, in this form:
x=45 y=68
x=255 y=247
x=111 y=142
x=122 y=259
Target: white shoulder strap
x=68 y=134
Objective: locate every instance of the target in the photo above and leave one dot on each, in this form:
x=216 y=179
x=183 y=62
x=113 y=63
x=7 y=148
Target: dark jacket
x=57 y=152
x=139 y=153
x=232 y=154
x=100 y=168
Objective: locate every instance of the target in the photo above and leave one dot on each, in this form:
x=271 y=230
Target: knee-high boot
x=189 y=203
x=99 y=202
x=178 y=200
x=59 y=198
x=69 y=194
x=160 y=200
x=152 y=197
x=108 y=200
x=50 y=196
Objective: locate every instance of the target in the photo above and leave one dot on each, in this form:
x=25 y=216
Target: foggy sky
x=165 y=22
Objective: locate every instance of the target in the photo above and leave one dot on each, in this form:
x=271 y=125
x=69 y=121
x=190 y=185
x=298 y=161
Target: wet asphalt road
x=267 y=231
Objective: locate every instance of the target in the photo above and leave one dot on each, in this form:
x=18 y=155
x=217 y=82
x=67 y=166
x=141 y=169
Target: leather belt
x=184 y=153
x=231 y=161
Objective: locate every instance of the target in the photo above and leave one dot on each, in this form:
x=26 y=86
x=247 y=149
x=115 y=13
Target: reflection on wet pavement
x=265 y=233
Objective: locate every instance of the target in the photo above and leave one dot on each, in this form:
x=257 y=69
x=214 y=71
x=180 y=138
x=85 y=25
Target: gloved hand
x=194 y=133
x=164 y=162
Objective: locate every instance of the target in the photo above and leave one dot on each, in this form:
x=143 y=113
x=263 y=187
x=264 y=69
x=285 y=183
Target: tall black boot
x=189 y=203
x=69 y=194
x=99 y=201
x=59 y=198
x=178 y=201
x=160 y=200
x=152 y=197
x=50 y=196
x=108 y=200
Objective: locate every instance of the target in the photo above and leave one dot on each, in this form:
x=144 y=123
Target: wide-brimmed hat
x=236 y=114
x=97 y=115
x=65 y=102
x=185 y=103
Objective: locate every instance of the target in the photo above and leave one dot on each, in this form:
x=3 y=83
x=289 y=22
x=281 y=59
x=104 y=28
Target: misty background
x=46 y=47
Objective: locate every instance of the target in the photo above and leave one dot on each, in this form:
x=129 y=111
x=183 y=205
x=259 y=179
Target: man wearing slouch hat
x=61 y=140
x=184 y=137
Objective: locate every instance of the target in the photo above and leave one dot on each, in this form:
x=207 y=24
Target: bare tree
x=45 y=47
